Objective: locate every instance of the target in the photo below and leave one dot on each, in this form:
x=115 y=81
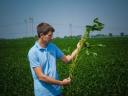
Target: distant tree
x=121 y=34
x=99 y=35
x=110 y=34
x=79 y=36
x=65 y=36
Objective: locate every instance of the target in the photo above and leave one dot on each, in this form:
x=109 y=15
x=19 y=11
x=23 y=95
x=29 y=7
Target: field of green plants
x=103 y=75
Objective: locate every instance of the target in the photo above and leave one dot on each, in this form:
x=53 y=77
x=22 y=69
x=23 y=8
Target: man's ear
x=41 y=34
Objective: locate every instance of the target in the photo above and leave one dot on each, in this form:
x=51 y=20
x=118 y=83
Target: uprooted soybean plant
x=84 y=43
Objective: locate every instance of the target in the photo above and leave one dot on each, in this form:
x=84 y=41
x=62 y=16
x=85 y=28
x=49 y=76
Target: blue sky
x=15 y=14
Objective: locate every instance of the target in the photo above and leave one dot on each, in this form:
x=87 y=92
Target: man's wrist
x=78 y=48
x=61 y=83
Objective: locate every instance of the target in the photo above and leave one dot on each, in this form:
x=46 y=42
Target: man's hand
x=66 y=81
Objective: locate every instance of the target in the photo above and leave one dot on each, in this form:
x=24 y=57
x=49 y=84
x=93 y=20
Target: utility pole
x=31 y=21
x=26 y=23
x=70 y=29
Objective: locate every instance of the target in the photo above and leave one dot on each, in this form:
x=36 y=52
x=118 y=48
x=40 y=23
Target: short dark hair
x=44 y=28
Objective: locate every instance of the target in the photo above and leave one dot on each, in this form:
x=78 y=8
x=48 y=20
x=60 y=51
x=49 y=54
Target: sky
x=19 y=18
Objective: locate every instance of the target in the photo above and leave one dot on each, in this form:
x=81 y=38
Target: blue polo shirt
x=46 y=59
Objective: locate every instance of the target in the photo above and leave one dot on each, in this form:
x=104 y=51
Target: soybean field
x=103 y=74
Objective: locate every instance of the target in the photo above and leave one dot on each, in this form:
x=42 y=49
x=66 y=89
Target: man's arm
x=68 y=58
x=48 y=79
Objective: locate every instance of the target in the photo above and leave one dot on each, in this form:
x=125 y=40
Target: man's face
x=48 y=37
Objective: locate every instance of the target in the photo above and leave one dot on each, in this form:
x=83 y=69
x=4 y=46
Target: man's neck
x=43 y=44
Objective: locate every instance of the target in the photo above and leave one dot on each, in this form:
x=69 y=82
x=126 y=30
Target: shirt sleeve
x=33 y=59
x=59 y=53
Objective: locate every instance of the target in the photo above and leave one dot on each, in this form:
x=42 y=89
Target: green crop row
x=103 y=75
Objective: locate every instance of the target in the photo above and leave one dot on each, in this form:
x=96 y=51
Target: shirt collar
x=39 y=47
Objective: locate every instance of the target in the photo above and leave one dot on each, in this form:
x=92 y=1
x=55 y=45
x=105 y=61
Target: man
x=42 y=57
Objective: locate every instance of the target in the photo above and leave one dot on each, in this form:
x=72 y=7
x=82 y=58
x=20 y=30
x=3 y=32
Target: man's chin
x=49 y=41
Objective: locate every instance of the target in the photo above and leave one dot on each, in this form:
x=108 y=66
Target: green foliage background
x=103 y=75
